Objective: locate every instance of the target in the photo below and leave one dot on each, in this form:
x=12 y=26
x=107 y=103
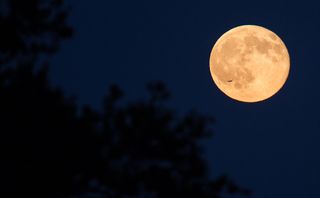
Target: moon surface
x=249 y=63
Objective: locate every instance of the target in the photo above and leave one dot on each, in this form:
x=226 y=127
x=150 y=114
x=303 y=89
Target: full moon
x=249 y=63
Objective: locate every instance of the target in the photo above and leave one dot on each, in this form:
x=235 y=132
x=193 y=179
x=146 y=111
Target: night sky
x=271 y=147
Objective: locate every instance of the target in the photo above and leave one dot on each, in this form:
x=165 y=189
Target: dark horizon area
x=270 y=147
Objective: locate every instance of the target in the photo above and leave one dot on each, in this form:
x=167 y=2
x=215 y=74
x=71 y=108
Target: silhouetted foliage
x=30 y=28
x=148 y=149
x=45 y=144
x=137 y=149
x=51 y=148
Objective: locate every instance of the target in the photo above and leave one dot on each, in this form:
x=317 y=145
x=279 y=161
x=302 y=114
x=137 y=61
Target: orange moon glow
x=249 y=63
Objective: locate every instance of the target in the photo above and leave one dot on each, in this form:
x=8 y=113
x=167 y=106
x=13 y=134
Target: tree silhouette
x=128 y=150
x=44 y=143
x=155 y=152
x=31 y=28
x=52 y=148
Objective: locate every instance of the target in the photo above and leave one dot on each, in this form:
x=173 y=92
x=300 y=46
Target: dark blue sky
x=271 y=147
